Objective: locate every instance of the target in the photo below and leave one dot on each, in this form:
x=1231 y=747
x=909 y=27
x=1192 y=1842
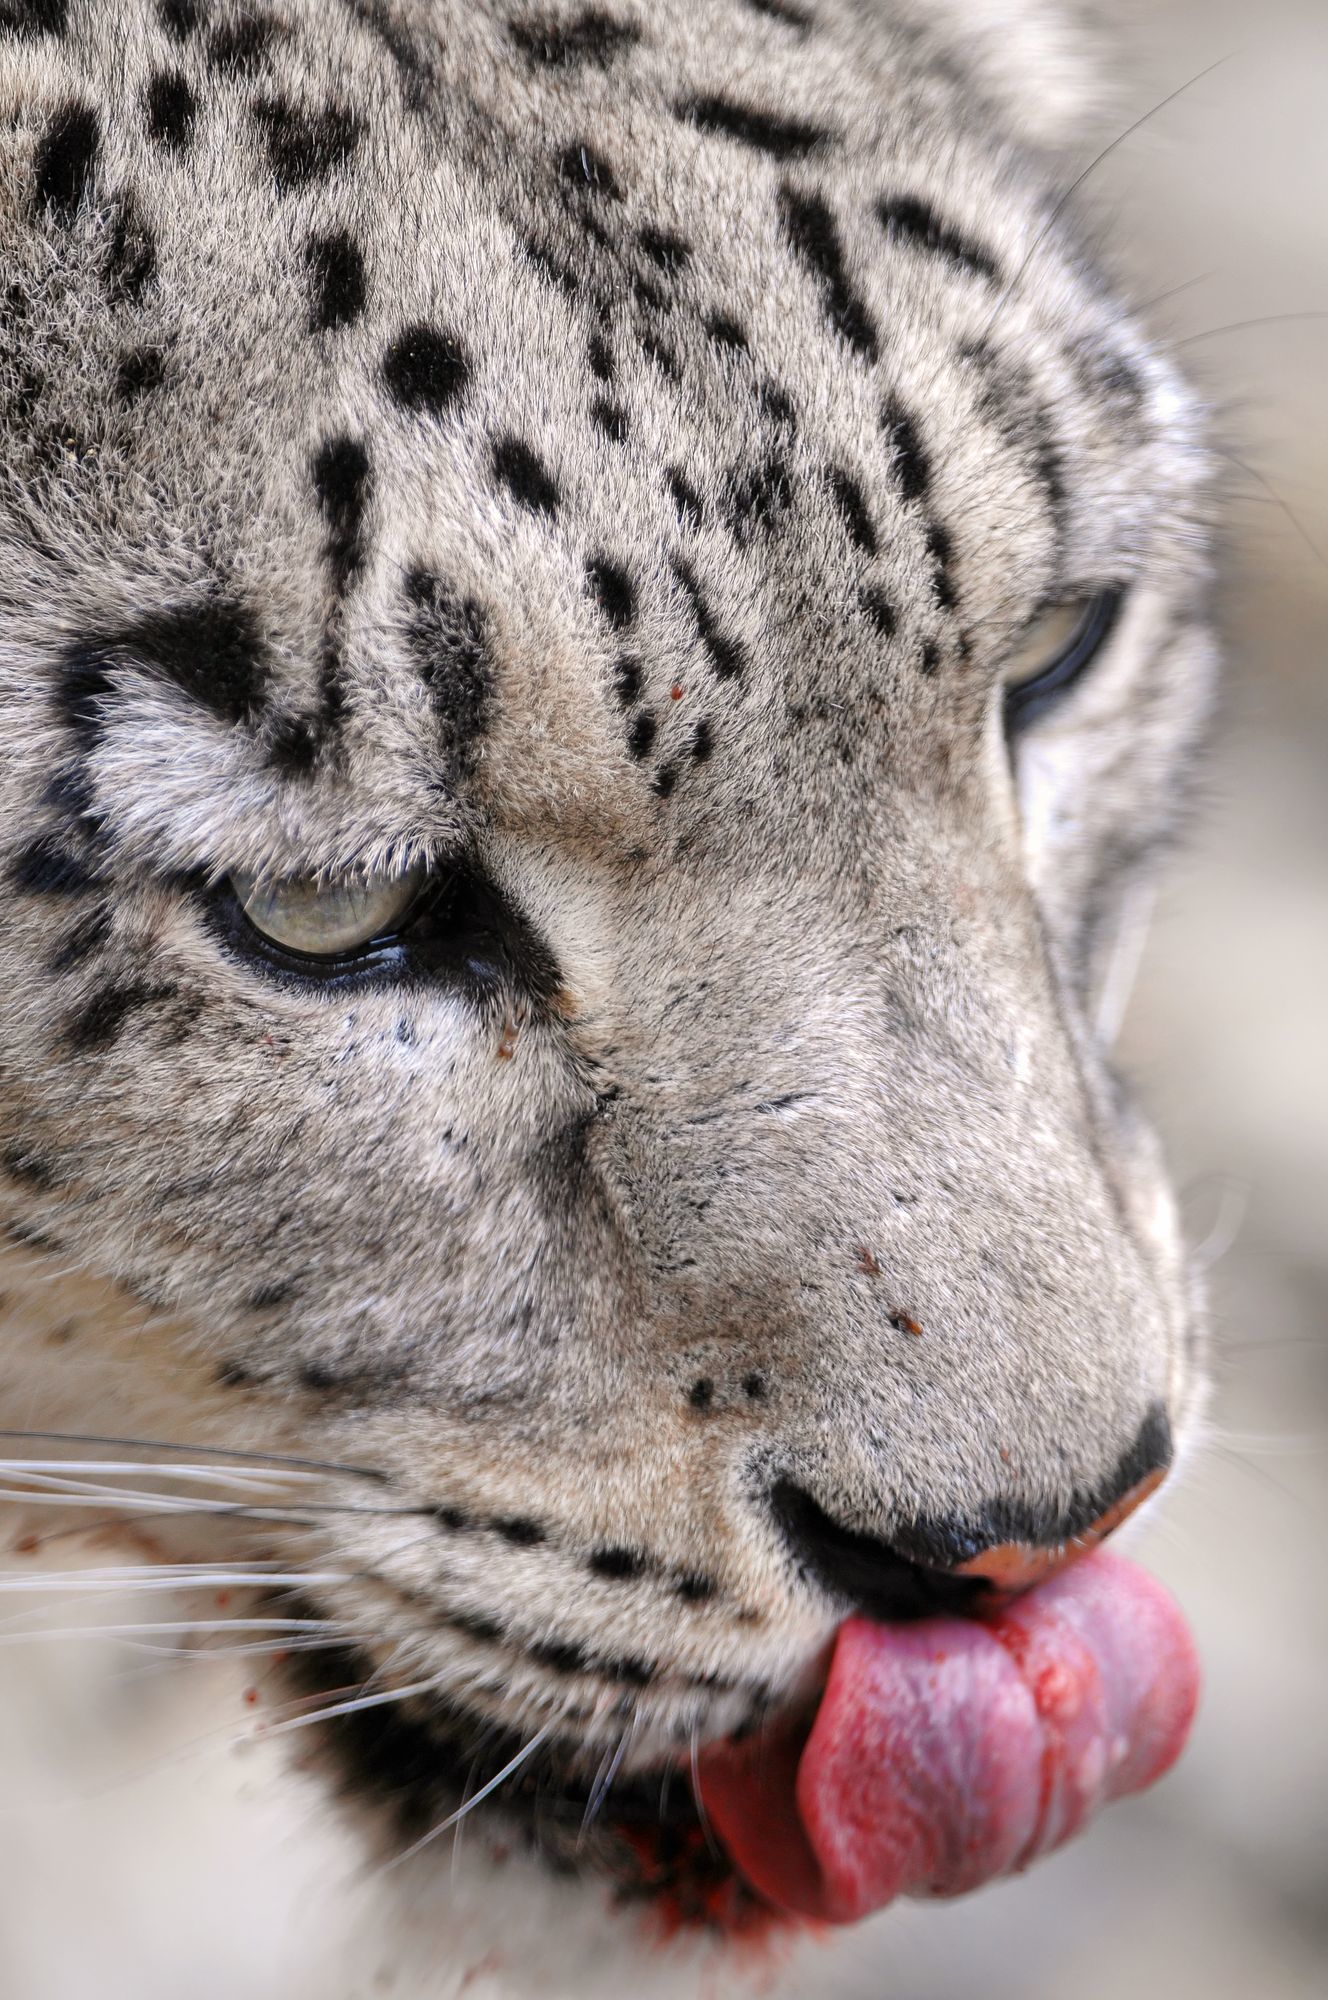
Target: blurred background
x=145 y=1852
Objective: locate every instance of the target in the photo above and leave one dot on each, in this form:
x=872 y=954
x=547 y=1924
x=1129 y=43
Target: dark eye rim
x=461 y=934
x=1026 y=703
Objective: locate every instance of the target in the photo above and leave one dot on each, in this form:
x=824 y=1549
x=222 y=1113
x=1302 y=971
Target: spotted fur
x=604 y=453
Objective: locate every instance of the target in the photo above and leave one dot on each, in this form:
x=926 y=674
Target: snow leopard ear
x=1048 y=65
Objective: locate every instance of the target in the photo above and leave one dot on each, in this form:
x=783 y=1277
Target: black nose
x=955 y=1566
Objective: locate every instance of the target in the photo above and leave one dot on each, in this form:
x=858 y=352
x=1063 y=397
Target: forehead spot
x=671 y=252
x=450 y=644
x=141 y=370
x=908 y=219
x=781 y=138
x=910 y=466
x=66 y=158
x=642 y=734
x=179 y=17
x=726 y=655
x=343 y=481
x=305 y=146
x=131 y=256
x=611 y=418
x=852 y=505
x=35 y=17
x=521 y=470
x=592 y=37
x=338 y=281
x=725 y=332
x=879 y=610
x=611 y=587
x=814 y=236
x=237 y=50
x=171 y=110
x=580 y=165
x=425 y=369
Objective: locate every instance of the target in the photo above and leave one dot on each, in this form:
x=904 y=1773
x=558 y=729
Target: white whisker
x=477 y=1798
x=353 y=1707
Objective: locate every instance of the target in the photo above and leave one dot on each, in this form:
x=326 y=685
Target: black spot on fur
x=627 y=680
x=782 y=10
x=234 y=1375
x=907 y=218
x=343 y=483
x=587 y=171
x=612 y=590
x=701 y=1395
x=911 y=466
x=524 y=474
x=212 y=651
x=619 y=1565
x=521 y=1532
x=179 y=17
x=34 y=17
x=642 y=734
x=931 y=657
x=425 y=369
x=814 y=236
x=703 y=742
x=665 y=781
x=755 y=1387
x=66 y=158
x=671 y=252
x=781 y=138
x=759 y=498
x=661 y=355
x=131 y=256
x=695 y=1589
x=98 y=1022
x=940 y=549
x=83 y=939
x=412 y=64
x=561 y=1656
x=726 y=332
x=879 y=609
x=82 y=690
x=592 y=37
x=774 y=403
x=317 y=1376
x=339 y=284
x=726 y=655
x=450 y=644
x=47 y=868
x=305 y=146
x=171 y=110
x=685 y=498
x=611 y=418
x=852 y=504
x=30 y=1170
x=554 y=269
x=278 y=1294
x=140 y=371
x=600 y=356
x=238 y=49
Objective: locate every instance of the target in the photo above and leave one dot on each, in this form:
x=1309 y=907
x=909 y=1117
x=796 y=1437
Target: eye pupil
x=1053 y=651
x=309 y=917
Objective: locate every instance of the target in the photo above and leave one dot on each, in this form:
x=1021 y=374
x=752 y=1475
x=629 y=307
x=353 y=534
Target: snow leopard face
x=559 y=875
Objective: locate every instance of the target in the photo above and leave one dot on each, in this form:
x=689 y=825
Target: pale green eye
x=1046 y=639
x=326 y=919
x=1054 y=649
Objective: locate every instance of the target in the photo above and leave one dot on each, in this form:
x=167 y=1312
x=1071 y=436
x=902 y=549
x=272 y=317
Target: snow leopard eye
x=329 y=919
x=1058 y=645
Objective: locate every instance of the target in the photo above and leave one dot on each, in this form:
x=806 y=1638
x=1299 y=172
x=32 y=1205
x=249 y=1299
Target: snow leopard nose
x=955 y=1566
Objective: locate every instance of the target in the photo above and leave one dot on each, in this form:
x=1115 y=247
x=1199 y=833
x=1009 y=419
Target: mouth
x=941 y=1754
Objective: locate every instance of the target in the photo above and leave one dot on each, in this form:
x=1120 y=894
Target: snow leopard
x=603 y=616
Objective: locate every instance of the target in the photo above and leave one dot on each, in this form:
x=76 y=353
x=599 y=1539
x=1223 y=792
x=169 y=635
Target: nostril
x=879 y=1580
x=933 y=1566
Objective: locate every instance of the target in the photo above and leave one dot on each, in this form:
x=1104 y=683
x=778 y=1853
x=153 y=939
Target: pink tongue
x=948 y=1752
